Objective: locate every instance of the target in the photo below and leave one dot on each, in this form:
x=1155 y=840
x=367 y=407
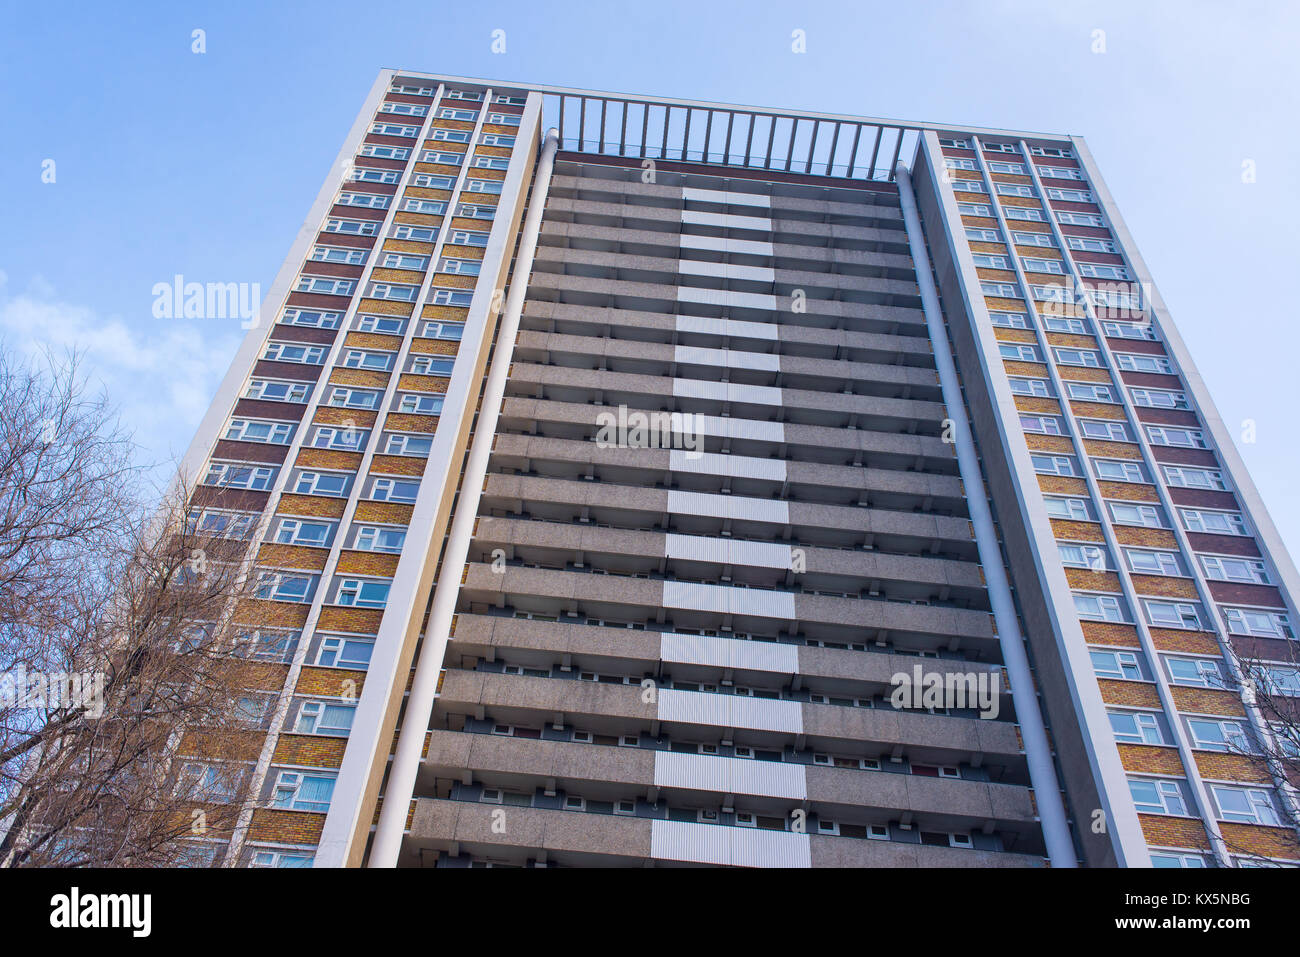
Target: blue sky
x=168 y=162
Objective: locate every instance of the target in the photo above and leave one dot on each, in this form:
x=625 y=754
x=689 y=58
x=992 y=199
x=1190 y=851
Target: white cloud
x=160 y=374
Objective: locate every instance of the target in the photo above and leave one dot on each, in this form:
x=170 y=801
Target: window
x=362 y=174
x=1089 y=245
x=1033 y=239
x=1060 y=172
x=385 y=325
x=296 y=531
x=491 y=162
x=378 y=538
x=1034 y=387
x=447 y=113
x=453 y=331
x=367 y=359
x=345 y=439
x=462 y=237
x=1031 y=214
x=1143 y=561
x=385 y=152
x=286 y=586
x=1118 y=665
x=404 y=109
x=397 y=292
x=999 y=166
x=986 y=261
x=1079 y=219
x=1129 y=330
x=303 y=790
x=1084 y=556
x=953 y=162
x=1089 y=392
x=412 y=90
x=497 y=139
x=492 y=186
x=334 y=484
x=403 y=444
x=1137 y=362
x=312 y=318
x=424 y=234
x=364 y=200
x=1210 y=734
x=1225 y=568
x=475 y=211
x=1127 y=513
x=276 y=390
x=260 y=430
x=1194 y=672
x=449 y=136
x=1159 y=399
x=339 y=254
x=1042 y=265
x=1176 y=438
x=975 y=209
x=1213 y=523
x=978 y=234
x=351 y=227
x=1102 y=271
x=1176 y=859
x=1099 y=607
x=362 y=593
x=344 y=651
x=430 y=207
x=1015 y=189
x=1009 y=320
x=1187 y=477
x=1018 y=352
x=1257 y=622
x=325 y=717
x=1136 y=727
x=1118 y=470
x=1041 y=424
x=418 y=403
x=460 y=267
x=434 y=180
x=394 y=129
x=452 y=297
x=1157 y=796
x=1002 y=290
x=429 y=365
x=281 y=859
x=1173 y=614
x=1072 y=509
x=1245 y=805
x=954 y=143
x=238 y=475
x=394 y=490
x=1054 y=464
x=1106 y=429
x=472 y=96
x=1078 y=357
x=293 y=352
x=503 y=119
x=1069 y=195
x=219 y=523
x=404 y=261
x=1069 y=324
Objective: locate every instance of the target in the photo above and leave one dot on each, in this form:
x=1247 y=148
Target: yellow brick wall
x=1163 y=831
x=286 y=827
x=375 y=340
x=1145 y=537
x=309 y=750
x=361 y=621
x=367 y=563
x=1077 y=531
x=365 y=378
x=1110 y=633
x=317 y=506
x=1133 y=694
x=1206 y=701
x=1151 y=759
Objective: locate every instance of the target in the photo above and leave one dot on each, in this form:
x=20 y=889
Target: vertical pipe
x=419 y=704
x=1042 y=773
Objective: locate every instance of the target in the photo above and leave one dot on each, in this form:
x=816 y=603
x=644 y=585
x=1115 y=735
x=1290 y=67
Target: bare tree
x=124 y=729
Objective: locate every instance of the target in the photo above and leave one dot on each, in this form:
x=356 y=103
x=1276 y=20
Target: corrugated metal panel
x=726 y=327
x=727 y=220
x=706 y=772
x=715 y=463
x=730 y=711
x=740 y=428
x=727 y=551
x=726 y=391
x=731 y=358
x=728 y=600
x=728 y=506
x=736 y=846
x=720 y=244
x=729 y=653
x=700 y=267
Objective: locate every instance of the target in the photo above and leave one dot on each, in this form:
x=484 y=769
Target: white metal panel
x=700 y=267
x=734 y=428
x=728 y=551
x=708 y=772
x=726 y=197
x=730 y=358
x=727 y=391
x=727 y=327
x=720 y=244
x=728 y=506
x=730 y=711
x=729 y=600
x=735 y=846
x=725 y=297
x=716 y=463
x=729 y=653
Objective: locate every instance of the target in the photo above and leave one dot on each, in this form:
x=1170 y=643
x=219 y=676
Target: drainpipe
x=419 y=704
x=1042 y=773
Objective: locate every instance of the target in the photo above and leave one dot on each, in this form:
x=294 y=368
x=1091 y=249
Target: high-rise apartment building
x=608 y=478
